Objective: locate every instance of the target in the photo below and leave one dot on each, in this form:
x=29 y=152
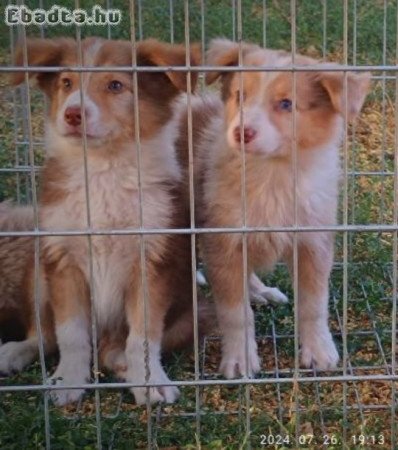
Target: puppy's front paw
x=269 y=295
x=15 y=356
x=233 y=362
x=166 y=394
x=64 y=397
x=162 y=394
x=68 y=376
x=260 y=293
x=318 y=349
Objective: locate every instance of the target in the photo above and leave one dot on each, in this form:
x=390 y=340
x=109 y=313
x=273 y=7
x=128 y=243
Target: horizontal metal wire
x=205 y=68
x=27 y=169
x=212 y=382
x=150 y=231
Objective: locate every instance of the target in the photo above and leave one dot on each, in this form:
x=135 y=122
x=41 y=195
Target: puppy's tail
x=180 y=332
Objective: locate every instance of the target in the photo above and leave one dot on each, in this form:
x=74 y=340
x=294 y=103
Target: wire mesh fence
x=353 y=406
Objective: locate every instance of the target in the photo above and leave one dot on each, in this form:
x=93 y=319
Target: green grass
x=369 y=285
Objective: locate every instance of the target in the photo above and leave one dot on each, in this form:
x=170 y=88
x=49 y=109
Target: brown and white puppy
x=19 y=341
x=118 y=284
x=270 y=189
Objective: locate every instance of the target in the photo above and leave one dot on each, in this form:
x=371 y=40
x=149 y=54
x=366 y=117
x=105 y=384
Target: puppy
x=115 y=281
x=266 y=137
x=19 y=342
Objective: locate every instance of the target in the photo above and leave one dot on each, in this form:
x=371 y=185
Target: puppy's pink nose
x=248 y=134
x=73 y=116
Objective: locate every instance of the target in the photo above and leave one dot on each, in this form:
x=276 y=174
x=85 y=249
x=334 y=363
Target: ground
x=219 y=416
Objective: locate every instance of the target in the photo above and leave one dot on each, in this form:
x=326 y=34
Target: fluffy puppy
x=110 y=200
x=19 y=342
x=266 y=135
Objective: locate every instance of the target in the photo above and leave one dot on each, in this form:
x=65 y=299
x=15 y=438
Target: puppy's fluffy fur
x=270 y=189
x=118 y=287
x=17 y=312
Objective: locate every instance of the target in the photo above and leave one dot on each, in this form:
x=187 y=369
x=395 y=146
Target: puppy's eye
x=115 y=86
x=285 y=104
x=66 y=83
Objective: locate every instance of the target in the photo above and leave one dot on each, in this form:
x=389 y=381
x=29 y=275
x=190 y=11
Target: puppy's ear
x=223 y=52
x=154 y=52
x=40 y=52
x=357 y=86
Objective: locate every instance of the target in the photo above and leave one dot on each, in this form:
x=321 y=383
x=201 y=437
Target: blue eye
x=285 y=104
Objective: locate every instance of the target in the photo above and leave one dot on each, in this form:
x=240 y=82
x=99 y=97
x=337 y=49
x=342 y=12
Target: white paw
x=120 y=365
x=260 y=293
x=68 y=376
x=15 y=356
x=269 y=295
x=163 y=394
x=233 y=362
x=137 y=373
x=318 y=349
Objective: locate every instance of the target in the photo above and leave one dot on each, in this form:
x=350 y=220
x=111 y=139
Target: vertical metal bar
x=360 y=408
x=264 y=23
x=203 y=35
x=353 y=180
x=139 y=13
x=109 y=26
x=324 y=21
x=171 y=14
x=24 y=120
x=383 y=106
x=15 y=120
x=394 y=267
x=233 y=10
x=345 y=220
x=244 y=217
x=192 y=219
x=36 y=240
x=93 y=294
x=296 y=387
x=42 y=26
x=144 y=286
x=277 y=375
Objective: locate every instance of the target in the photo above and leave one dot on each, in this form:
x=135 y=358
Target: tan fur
x=270 y=190
x=114 y=204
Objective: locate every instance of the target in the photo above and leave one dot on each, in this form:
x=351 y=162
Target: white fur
x=114 y=204
x=270 y=202
x=267 y=139
x=260 y=293
x=15 y=356
x=238 y=326
x=75 y=355
x=317 y=346
x=154 y=373
x=95 y=127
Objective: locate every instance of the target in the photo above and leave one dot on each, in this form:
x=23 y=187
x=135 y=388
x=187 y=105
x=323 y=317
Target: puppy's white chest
x=114 y=205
